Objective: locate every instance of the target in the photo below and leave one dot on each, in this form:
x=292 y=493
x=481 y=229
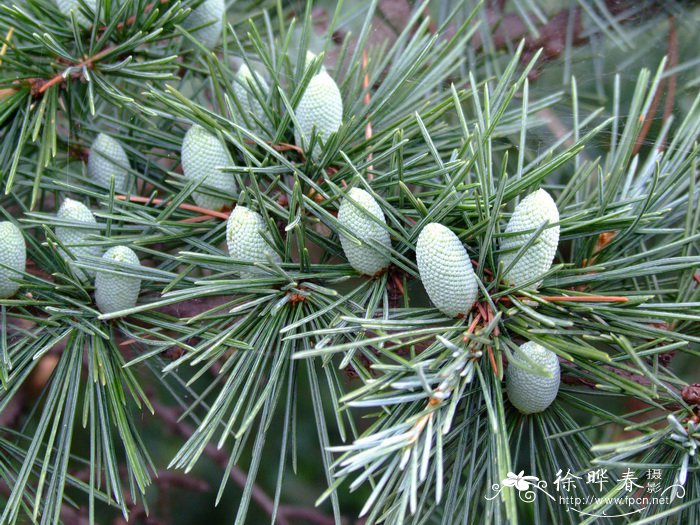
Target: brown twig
x=673 y=58
x=168 y=478
x=6 y=92
x=472 y=327
x=573 y=298
x=188 y=207
x=285 y=513
x=577 y=381
x=648 y=118
x=631 y=376
x=198 y=218
x=283 y=146
x=306 y=515
x=41 y=85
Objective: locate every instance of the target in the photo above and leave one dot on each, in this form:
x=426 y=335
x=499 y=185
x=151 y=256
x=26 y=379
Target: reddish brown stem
x=673 y=57
x=188 y=207
x=472 y=326
x=40 y=85
x=648 y=118
x=492 y=360
x=283 y=146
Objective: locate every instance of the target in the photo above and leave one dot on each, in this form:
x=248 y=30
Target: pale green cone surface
x=108 y=161
x=75 y=211
x=533 y=211
x=446 y=270
x=245 y=231
x=66 y=6
x=207 y=11
x=244 y=89
x=363 y=257
x=319 y=111
x=117 y=292
x=13 y=253
x=529 y=392
x=203 y=156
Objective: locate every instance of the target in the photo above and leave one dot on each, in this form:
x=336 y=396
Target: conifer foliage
x=372 y=259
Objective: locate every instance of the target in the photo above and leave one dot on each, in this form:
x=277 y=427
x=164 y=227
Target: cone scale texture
x=13 y=253
x=320 y=111
x=203 y=156
x=245 y=237
x=206 y=12
x=244 y=91
x=532 y=212
x=108 y=161
x=446 y=270
x=363 y=257
x=529 y=392
x=75 y=211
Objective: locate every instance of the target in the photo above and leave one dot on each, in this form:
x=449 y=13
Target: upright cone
x=320 y=111
x=115 y=292
x=69 y=236
x=446 y=270
x=533 y=211
x=244 y=89
x=245 y=237
x=108 y=161
x=203 y=156
x=13 y=255
x=527 y=391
